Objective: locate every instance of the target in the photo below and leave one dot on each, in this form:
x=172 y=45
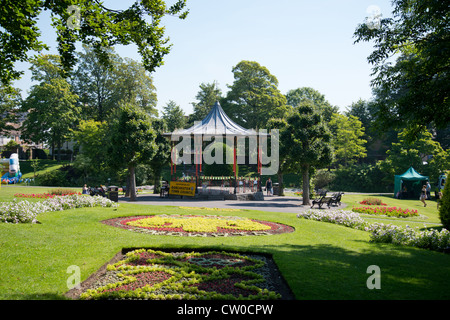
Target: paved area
x=270 y=203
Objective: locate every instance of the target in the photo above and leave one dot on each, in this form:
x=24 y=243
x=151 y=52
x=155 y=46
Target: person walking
x=423 y=195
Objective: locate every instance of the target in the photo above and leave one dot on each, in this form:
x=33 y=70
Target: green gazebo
x=409 y=184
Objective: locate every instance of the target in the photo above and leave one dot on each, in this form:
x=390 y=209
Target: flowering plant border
x=388 y=211
x=158 y=275
x=129 y=223
x=426 y=239
x=24 y=211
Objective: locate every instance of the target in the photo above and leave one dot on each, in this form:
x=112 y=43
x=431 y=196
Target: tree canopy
x=411 y=64
x=254 y=97
x=89 y=22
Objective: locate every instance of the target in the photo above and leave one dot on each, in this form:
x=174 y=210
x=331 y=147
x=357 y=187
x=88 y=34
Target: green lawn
x=319 y=260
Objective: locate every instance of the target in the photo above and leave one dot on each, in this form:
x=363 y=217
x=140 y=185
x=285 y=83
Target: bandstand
x=190 y=165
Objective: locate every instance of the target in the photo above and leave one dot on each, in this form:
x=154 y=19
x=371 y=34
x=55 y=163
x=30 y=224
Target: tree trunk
x=132 y=188
x=305 y=174
x=59 y=151
x=280 y=183
x=157 y=180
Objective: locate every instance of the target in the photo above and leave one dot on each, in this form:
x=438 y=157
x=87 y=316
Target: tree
x=207 y=96
x=308 y=141
x=347 y=139
x=412 y=90
x=174 y=116
x=162 y=153
x=51 y=105
x=424 y=154
x=378 y=141
x=132 y=141
x=254 y=97
x=88 y=22
x=95 y=83
x=10 y=101
x=296 y=96
x=135 y=85
x=102 y=88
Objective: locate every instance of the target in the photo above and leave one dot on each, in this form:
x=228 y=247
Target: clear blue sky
x=304 y=43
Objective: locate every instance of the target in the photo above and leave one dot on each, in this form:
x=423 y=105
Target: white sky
x=304 y=43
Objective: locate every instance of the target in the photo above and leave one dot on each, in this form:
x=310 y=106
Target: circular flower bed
x=150 y=274
x=193 y=225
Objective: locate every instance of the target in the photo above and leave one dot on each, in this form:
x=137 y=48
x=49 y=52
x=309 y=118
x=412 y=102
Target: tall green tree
x=207 y=96
x=51 y=105
x=88 y=22
x=173 y=116
x=10 y=101
x=254 y=97
x=378 y=141
x=95 y=83
x=162 y=154
x=423 y=153
x=296 y=96
x=132 y=141
x=307 y=138
x=411 y=64
x=102 y=88
x=347 y=141
x=135 y=85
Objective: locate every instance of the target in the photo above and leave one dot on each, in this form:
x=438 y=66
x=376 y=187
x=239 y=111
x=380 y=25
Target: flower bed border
x=257 y=277
x=276 y=228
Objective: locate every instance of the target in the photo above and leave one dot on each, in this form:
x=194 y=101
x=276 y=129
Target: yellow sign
x=180 y=188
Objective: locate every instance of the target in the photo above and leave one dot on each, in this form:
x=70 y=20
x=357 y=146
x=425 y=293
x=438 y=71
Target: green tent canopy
x=409 y=185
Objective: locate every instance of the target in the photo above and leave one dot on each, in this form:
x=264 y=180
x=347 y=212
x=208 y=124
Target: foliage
x=308 y=139
x=132 y=141
x=296 y=96
x=347 y=142
x=207 y=96
x=372 y=201
x=253 y=97
x=444 y=206
x=413 y=90
x=174 y=116
x=51 y=104
x=323 y=178
x=427 y=239
x=89 y=22
x=10 y=100
x=363 y=178
x=225 y=168
x=407 y=153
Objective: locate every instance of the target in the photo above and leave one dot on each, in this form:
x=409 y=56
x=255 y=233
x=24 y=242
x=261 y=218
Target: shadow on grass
x=333 y=273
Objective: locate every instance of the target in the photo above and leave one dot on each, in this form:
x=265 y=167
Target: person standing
x=423 y=195
x=269 y=186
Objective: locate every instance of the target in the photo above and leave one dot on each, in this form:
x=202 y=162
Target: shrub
x=372 y=202
x=444 y=207
x=24 y=211
x=425 y=239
